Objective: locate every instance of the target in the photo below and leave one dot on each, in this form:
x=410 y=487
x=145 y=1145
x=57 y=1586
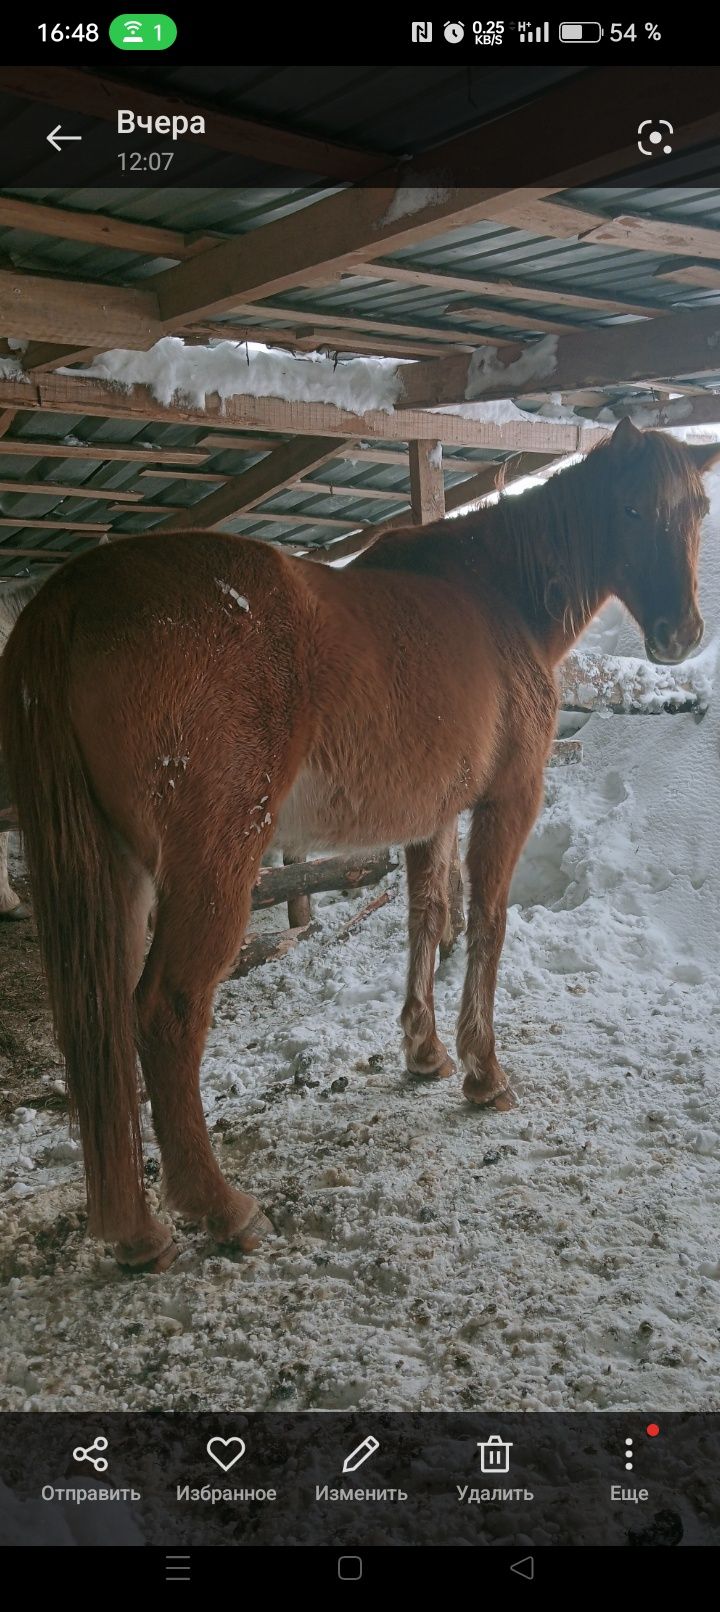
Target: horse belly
x=364 y=812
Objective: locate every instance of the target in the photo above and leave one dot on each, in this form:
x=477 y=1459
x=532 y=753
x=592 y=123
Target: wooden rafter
x=682 y=344
x=33 y=448
x=51 y=525
x=439 y=280
x=427 y=487
x=100 y=229
x=97 y=96
x=76 y=311
x=271 y=474
x=53 y=489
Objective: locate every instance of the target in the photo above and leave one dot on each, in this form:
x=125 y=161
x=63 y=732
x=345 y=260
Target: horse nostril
x=661 y=633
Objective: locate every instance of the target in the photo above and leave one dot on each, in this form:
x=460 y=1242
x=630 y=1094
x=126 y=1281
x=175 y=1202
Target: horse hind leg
x=428 y=867
x=203 y=908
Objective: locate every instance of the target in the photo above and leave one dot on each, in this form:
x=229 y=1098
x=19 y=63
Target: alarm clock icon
x=454 y=32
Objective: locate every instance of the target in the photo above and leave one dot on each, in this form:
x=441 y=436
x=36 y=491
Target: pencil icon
x=362 y=1452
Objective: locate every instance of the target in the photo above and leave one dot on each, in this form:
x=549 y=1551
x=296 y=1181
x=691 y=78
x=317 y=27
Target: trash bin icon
x=494 y=1454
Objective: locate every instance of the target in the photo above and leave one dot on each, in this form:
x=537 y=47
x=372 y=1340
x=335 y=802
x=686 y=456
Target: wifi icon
x=144 y=31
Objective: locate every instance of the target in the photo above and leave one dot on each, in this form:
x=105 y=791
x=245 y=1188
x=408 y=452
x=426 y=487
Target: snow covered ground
x=429 y=1255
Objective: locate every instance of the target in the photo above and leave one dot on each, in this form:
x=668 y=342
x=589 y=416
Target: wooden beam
x=50 y=525
x=100 y=229
x=698 y=276
x=54 y=556
x=49 y=489
x=32 y=448
x=293 y=517
x=146 y=509
x=71 y=394
x=427 y=487
x=242 y=493
x=97 y=96
x=680 y=344
x=442 y=280
x=205 y=476
x=31 y=305
x=6 y=420
x=639 y=234
x=340 y=489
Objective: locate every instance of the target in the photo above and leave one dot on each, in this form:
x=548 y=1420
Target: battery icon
x=580 y=33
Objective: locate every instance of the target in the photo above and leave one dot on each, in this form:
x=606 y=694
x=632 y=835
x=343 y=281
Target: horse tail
x=81 y=898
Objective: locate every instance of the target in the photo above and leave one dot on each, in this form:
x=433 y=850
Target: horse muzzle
x=666 y=645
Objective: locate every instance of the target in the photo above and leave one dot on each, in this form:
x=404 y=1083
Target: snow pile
x=409 y=199
x=175 y=372
x=536 y=362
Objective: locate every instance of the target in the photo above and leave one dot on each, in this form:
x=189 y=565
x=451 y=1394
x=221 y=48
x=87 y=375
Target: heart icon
x=218 y=1449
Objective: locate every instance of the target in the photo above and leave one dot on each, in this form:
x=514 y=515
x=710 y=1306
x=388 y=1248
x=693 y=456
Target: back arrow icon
x=55 y=137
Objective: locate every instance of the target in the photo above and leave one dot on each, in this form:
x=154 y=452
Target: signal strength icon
x=529 y=35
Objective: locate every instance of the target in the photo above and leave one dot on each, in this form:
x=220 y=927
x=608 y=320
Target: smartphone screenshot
x=359 y=798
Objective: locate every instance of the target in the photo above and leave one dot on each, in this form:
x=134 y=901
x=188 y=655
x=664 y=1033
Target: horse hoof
x=143 y=1262
x=443 y=1072
x=246 y=1237
x=16 y=914
x=487 y=1095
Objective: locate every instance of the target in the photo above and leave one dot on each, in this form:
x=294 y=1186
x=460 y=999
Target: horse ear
x=703 y=454
x=626 y=437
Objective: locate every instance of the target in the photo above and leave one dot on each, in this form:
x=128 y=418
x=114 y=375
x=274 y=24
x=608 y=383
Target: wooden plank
x=32 y=448
x=442 y=280
x=54 y=556
x=100 y=229
x=50 y=489
x=680 y=344
x=146 y=509
x=76 y=311
x=71 y=394
x=293 y=517
x=99 y=96
x=427 y=487
x=340 y=489
x=699 y=276
x=656 y=235
x=242 y=493
x=186 y=475
x=6 y=420
x=50 y=525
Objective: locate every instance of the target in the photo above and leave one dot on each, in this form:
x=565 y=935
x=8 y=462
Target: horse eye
x=631 y=512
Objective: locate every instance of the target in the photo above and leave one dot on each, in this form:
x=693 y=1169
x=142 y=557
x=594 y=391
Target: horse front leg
x=500 y=827
x=428 y=867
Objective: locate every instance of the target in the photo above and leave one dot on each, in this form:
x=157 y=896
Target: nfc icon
x=422 y=33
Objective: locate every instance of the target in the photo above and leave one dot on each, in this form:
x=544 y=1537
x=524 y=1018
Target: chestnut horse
x=171 y=704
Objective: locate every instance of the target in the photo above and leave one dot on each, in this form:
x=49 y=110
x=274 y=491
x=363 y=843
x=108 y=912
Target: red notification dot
x=652 y=1430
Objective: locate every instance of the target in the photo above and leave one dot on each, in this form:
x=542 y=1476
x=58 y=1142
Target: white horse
x=13 y=599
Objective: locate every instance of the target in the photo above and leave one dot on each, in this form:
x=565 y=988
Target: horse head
x=658 y=503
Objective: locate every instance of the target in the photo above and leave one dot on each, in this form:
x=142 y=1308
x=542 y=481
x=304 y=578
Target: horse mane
x=553 y=533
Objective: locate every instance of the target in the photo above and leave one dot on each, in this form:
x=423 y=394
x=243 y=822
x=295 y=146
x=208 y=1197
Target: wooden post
x=427 y=487
x=300 y=907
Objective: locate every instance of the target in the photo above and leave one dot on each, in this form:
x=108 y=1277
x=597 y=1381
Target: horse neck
x=548 y=553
